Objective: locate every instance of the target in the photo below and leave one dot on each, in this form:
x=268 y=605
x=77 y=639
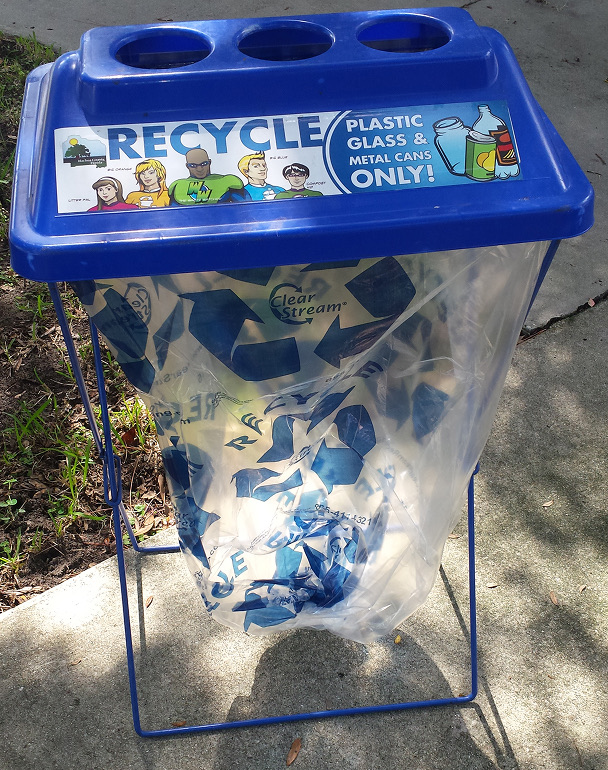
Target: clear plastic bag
x=319 y=423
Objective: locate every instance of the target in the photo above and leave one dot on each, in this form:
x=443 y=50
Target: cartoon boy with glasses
x=204 y=187
x=297 y=174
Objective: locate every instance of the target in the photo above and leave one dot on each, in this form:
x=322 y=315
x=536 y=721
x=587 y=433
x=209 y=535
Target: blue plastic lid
x=250 y=142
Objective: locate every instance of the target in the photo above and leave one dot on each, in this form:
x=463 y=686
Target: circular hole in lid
x=164 y=50
x=287 y=41
x=405 y=34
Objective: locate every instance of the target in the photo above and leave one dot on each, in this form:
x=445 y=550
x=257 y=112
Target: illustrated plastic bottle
x=451 y=141
x=506 y=155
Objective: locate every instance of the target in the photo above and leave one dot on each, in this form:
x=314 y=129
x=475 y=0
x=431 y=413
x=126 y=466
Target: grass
x=51 y=481
x=18 y=56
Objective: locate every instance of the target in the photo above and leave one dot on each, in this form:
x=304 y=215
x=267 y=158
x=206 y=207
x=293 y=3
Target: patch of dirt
x=50 y=540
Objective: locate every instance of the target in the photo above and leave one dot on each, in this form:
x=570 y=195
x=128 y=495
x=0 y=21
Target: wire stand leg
x=113 y=495
x=453 y=700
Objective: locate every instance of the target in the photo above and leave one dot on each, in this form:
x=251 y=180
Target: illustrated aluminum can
x=480 y=158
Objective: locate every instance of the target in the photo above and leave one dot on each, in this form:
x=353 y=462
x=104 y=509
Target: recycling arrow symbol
x=216 y=321
x=384 y=290
x=339 y=343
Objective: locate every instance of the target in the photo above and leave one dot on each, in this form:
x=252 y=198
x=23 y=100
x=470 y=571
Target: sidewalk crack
x=528 y=332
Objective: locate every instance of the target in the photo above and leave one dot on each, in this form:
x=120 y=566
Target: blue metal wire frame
x=113 y=494
x=105 y=451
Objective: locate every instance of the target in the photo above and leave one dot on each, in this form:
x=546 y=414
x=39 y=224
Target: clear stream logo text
x=293 y=306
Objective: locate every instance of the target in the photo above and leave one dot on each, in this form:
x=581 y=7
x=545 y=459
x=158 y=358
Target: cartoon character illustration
x=297 y=174
x=109 y=195
x=254 y=168
x=204 y=187
x=150 y=175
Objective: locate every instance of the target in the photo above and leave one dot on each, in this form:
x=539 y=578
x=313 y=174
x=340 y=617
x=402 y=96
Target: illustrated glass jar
x=451 y=141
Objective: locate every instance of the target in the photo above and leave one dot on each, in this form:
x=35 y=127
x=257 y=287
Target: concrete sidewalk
x=542 y=539
x=64 y=700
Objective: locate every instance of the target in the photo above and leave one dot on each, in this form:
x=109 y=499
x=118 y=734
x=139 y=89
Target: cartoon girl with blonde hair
x=152 y=193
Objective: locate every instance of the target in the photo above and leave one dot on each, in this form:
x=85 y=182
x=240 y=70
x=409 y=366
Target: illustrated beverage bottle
x=506 y=157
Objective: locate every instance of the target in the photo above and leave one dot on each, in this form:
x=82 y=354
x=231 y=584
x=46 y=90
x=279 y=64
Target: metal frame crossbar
x=113 y=496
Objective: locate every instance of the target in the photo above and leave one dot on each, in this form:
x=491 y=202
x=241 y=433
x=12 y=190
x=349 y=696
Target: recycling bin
x=344 y=219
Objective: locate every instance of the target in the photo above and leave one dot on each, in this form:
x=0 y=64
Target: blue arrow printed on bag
x=428 y=405
x=85 y=291
x=258 y=275
x=171 y=330
x=122 y=326
x=192 y=528
x=216 y=321
x=355 y=428
x=326 y=406
x=266 y=492
x=282 y=440
x=339 y=465
x=343 y=465
x=247 y=479
x=330 y=265
x=341 y=343
x=128 y=334
x=384 y=290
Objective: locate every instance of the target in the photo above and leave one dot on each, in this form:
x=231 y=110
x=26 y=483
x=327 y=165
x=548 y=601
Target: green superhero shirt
x=212 y=189
x=297 y=194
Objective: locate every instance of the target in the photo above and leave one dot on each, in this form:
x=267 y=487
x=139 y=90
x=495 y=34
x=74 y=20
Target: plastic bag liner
x=319 y=423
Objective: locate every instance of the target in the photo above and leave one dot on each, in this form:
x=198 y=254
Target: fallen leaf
x=398 y=639
x=149 y=601
x=38 y=484
x=129 y=437
x=582 y=588
x=548 y=503
x=294 y=751
x=491 y=585
x=554 y=599
x=75 y=662
x=143 y=530
x=181 y=723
